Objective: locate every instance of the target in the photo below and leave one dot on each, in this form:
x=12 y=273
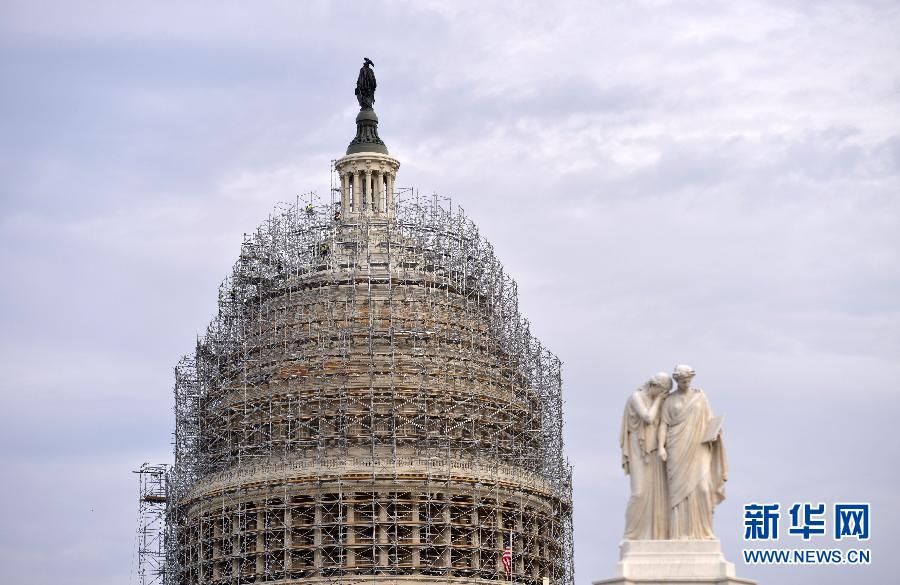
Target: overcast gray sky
x=709 y=183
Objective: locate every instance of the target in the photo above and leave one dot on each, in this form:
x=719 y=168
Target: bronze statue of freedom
x=365 y=85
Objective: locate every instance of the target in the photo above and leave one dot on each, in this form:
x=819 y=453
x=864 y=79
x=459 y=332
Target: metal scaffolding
x=368 y=405
x=151 y=546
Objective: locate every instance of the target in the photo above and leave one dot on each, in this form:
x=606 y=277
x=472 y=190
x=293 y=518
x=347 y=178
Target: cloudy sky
x=709 y=183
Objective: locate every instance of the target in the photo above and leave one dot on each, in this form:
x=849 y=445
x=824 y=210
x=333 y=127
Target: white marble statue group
x=672 y=449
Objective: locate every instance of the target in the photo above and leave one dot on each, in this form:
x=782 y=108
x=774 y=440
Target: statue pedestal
x=665 y=562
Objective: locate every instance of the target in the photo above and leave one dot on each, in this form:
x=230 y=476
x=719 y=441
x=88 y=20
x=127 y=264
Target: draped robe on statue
x=365 y=87
x=696 y=471
x=647 y=512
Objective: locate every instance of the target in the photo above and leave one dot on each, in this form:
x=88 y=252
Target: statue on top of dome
x=365 y=85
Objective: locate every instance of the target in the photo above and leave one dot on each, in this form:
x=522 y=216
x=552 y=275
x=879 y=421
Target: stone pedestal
x=665 y=562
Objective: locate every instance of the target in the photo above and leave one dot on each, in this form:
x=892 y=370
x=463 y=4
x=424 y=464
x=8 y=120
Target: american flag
x=507 y=559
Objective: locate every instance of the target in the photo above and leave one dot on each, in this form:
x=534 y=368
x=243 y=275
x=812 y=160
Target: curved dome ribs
x=368 y=401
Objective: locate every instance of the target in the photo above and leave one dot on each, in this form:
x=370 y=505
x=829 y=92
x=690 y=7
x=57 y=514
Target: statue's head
x=367 y=62
x=660 y=383
x=683 y=374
